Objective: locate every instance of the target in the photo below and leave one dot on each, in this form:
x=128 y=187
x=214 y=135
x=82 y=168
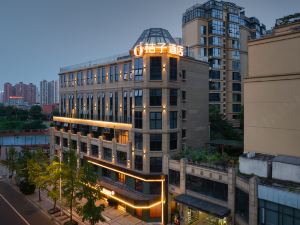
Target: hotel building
x=126 y=115
x=218 y=32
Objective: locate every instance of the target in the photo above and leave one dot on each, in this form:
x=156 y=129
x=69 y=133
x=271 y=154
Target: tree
x=89 y=211
x=71 y=181
x=35 y=113
x=12 y=160
x=54 y=175
x=37 y=170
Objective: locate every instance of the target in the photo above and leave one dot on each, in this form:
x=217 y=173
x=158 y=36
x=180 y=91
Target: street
x=16 y=210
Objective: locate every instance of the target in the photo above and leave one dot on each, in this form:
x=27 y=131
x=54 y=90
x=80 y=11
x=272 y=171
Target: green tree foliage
x=71 y=180
x=35 y=113
x=89 y=211
x=220 y=128
x=37 y=170
x=54 y=175
x=12 y=161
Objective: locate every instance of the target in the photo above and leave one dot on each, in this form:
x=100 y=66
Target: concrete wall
x=272 y=96
x=252 y=166
x=283 y=171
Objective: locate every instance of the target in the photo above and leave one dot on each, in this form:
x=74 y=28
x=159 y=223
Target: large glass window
x=214 y=74
x=236 y=97
x=103 y=74
x=106 y=173
x=203 y=52
x=214 y=97
x=236 y=76
x=215 y=52
x=174 y=177
x=126 y=71
x=173 y=97
x=138 y=97
x=235 y=54
x=107 y=154
x=138 y=119
x=207 y=187
x=234 y=30
x=138 y=162
x=214 y=85
x=173 y=119
x=99 y=75
x=138 y=141
x=173 y=68
x=242 y=204
x=216 y=13
x=235 y=44
x=203 y=30
x=122 y=158
x=155 y=68
x=155 y=120
x=116 y=72
x=155 y=97
x=236 y=65
x=155 y=142
x=236 y=87
x=234 y=18
x=236 y=108
x=216 y=27
x=138 y=69
x=202 y=40
x=155 y=164
x=111 y=73
x=214 y=40
x=173 y=141
x=215 y=63
x=95 y=150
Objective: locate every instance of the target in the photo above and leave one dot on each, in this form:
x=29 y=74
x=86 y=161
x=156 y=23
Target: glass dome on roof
x=155 y=35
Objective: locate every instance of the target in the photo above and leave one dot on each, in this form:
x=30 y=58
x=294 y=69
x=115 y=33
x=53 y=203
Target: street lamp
x=60 y=199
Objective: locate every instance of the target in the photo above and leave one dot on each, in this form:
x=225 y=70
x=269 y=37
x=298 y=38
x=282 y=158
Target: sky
x=37 y=37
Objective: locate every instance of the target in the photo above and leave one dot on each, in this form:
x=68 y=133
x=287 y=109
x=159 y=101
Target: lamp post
x=60 y=199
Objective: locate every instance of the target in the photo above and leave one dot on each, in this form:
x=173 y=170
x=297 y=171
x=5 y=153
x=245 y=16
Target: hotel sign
x=107 y=192
x=159 y=48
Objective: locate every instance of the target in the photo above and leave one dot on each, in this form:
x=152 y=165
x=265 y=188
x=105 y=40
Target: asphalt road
x=16 y=210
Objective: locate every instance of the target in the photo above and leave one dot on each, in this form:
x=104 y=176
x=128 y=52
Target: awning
x=205 y=206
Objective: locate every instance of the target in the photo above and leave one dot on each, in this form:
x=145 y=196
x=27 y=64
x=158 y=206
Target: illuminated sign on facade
x=141 y=49
x=107 y=192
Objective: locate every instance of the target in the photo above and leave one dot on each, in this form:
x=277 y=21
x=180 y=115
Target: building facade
x=48 y=92
x=127 y=114
x=25 y=91
x=218 y=32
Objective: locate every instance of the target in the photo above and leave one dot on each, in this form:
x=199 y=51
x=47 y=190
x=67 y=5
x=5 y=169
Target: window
x=65 y=142
x=203 y=52
x=236 y=97
x=138 y=141
x=216 y=13
x=174 y=177
x=122 y=158
x=235 y=65
x=138 y=120
x=103 y=106
x=234 y=30
x=95 y=151
x=215 y=52
x=203 y=30
x=236 y=108
x=173 y=68
x=116 y=106
x=57 y=140
x=106 y=173
x=234 y=18
x=116 y=72
x=126 y=71
x=216 y=27
x=215 y=63
x=138 y=162
x=214 y=85
x=155 y=68
x=103 y=74
x=214 y=97
x=202 y=40
x=138 y=185
x=214 y=40
x=138 y=69
x=83 y=147
x=173 y=119
x=111 y=73
x=207 y=187
x=138 y=97
x=236 y=87
x=214 y=74
x=183 y=74
x=235 y=44
x=99 y=75
x=183 y=134
x=155 y=120
x=235 y=54
x=107 y=154
x=155 y=97
x=121 y=178
x=183 y=114
x=173 y=97
x=111 y=106
x=173 y=141
x=155 y=142
x=125 y=107
x=155 y=164
x=89 y=77
x=183 y=95
x=242 y=204
x=236 y=76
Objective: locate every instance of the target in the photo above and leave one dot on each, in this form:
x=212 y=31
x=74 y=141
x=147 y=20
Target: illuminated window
x=121 y=178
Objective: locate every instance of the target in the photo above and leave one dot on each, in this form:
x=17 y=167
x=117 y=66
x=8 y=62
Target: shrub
x=26 y=188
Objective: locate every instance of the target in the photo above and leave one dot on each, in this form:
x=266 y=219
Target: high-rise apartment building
x=26 y=91
x=218 y=32
x=126 y=114
x=48 y=92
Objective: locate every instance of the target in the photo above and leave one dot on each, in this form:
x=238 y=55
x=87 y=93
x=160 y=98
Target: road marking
x=15 y=210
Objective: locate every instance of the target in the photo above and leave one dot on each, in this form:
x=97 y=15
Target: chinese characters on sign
x=152 y=48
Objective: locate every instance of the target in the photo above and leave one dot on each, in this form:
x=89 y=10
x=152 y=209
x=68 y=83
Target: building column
x=165 y=169
x=100 y=147
x=183 y=164
x=129 y=155
x=253 y=201
x=88 y=144
x=231 y=193
x=114 y=150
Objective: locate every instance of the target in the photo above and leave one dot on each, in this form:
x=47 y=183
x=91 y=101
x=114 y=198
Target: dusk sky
x=37 y=37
